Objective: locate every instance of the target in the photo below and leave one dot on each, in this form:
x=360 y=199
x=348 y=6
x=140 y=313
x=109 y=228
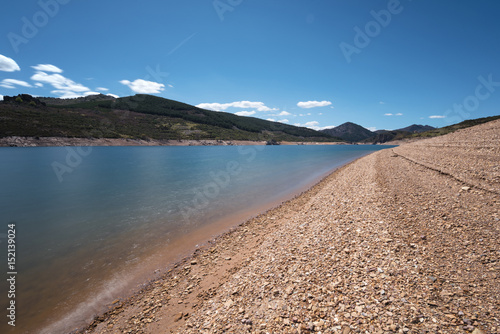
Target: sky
x=383 y=64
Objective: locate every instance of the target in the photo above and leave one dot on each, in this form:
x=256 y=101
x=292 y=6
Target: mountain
x=138 y=117
x=384 y=136
x=416 y=128
x=349 y=132
x=454 y=127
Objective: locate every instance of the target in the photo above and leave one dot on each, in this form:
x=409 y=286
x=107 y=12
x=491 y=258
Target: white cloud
x=213 y=106
x=8 y=64
x=271 y=119
x=314 y=125
x=47 y=68
x=1 y=97
x=143 y=86
x=399 y=114
x=102 y=89
x=245 y=113
x=381 y=102
x=113 y=95
x=59 y=82
x=313 y=104
x=372 y=128
x=11 y=83
x=65 y=94
x=284 y=113
x=65 y=88
x=437 y=116
x=321 y=114
x=260 y=106
x=284 y=121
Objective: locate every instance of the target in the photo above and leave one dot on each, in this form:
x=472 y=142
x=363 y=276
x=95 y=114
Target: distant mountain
x=350 y=132
x=417 y=128
x=383 y=136
x=138 y=117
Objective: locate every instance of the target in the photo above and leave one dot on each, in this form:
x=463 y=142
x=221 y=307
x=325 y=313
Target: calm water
x=95 y=222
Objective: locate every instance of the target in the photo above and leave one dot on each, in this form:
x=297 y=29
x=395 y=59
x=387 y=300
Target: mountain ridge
x=148 y=118
x=140 y=117
x=350 y=132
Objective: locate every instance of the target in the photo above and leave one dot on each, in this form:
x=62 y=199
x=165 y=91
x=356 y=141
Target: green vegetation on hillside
x=142 y=117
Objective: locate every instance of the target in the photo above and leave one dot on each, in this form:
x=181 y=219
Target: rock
x=478 y=331
x=346 y=330
x=178 y=316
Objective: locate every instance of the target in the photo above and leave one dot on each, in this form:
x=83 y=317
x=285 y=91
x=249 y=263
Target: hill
x=452 y=128
x=139 y=117
x=56 y=101
x=386 y=136
x=417 y=128
x=349 y=132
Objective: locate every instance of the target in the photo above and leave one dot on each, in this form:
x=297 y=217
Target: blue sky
x=381 y=64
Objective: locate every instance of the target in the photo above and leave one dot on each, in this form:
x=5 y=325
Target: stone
x=478 y=331
x=346 y=330
x=178 y=316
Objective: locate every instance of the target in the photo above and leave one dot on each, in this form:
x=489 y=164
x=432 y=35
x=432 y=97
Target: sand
x=404 y=240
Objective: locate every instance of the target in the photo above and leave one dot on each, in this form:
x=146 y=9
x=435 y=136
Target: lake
x=94 y=223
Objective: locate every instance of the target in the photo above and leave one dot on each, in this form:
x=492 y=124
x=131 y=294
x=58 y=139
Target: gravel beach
x=404 y=240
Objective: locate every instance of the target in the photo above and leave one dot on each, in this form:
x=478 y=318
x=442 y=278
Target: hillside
x=386 y=136
x=452 y=128
x=140 y=117
x=349 y=132
x=416 y=128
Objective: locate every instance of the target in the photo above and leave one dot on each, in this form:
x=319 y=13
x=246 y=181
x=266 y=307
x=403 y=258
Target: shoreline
x=190 y=256
x=180 y=251
x=17 y=141
x=402 y=240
